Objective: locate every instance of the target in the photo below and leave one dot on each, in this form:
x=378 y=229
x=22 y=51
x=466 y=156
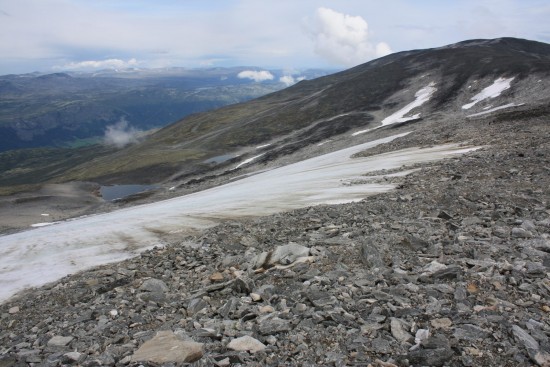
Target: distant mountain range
x=441 y=80
x=75 y=108
x=434 y=89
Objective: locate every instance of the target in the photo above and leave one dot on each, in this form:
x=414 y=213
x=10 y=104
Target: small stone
x=399 y=332
x=542 y=359
x=470 y=332
x=255 y=297
x=274 y=325
x=13 y=310
x=73 y=356
x=473 y=351
x=545 y=308
x=443 y=323
x=59 y=341
x=450 y=272
x=472 y=288
x=166 y=347
x=444 y=215
x=479 y=308
x=113 y=313
x=196 y=305
x=430 y=357
x=435 y=342
x=216 y=277
x=518 y=232
x=421 y=335
x=246 y=343
x=434 y=266
x=266 y=309
x=223 y=362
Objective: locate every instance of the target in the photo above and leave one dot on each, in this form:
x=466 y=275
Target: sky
x=58 y=35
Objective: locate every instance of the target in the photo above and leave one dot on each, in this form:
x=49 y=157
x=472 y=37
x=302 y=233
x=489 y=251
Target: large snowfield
x=45 y=254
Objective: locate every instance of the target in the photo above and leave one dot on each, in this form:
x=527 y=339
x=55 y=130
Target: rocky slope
x=451 y=269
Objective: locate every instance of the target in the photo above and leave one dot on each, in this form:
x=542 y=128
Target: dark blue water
x=220 y=158
x=114 y=192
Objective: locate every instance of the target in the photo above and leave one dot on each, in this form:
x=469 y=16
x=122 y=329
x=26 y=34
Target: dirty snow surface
x=492 y=91
x=45 y=254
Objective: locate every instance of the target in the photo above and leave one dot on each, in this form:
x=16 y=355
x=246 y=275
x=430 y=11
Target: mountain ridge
x=328 y=97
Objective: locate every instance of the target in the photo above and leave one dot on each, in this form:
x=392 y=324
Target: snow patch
x=44 y=224
x=422 y=96
x=496 y=109
x=263 y=146
x=246 y=161
x=42 y=255
x=492 y=91
x=363 y=131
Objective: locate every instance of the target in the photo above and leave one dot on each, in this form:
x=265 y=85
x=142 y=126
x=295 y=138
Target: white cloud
x=100 y=64
x=343 y=39
x=257 y=76
x=289 y=80
x=121 y=134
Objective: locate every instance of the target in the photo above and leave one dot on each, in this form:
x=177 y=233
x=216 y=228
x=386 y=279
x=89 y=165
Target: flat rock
x=274 y=325
x=59 y=341
x=470 y=332
x=524 y=338
x=166 y=347
x=246 y=343
x=430 y=357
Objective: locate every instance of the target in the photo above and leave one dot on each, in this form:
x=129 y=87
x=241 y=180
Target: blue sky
x=54 y=35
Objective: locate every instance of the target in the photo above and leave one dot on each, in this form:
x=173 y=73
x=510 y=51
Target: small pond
x=114 y=192
x=220 y=159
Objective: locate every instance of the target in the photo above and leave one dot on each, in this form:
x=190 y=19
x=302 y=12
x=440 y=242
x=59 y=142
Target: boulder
x=166 y=347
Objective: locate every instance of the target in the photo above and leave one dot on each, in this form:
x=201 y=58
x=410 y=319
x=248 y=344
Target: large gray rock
x=283 y=255
x=166 y=347
x=524 y=338
x=154 y=286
